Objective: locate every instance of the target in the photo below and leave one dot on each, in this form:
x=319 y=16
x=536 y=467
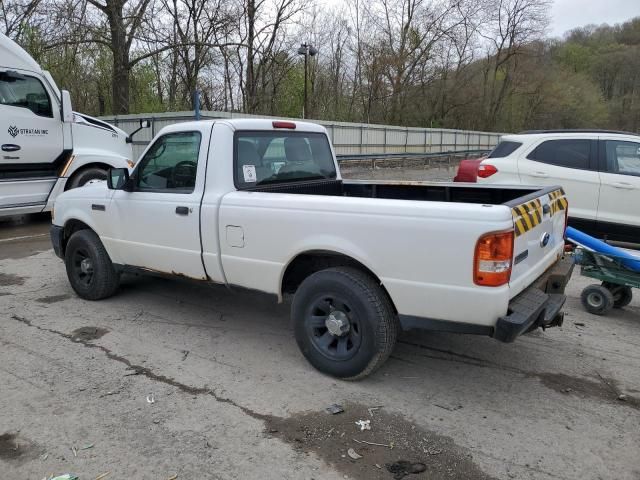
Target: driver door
x=157 y=225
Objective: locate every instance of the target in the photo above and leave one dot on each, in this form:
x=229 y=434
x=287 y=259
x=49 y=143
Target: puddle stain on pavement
x=14 y=448
x=331 y=436
x=86 y=334
x=605 y=389
x=9 y=279
x=53 y=298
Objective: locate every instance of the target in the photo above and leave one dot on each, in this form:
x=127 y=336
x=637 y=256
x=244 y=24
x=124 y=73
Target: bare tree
x=264 y=22
x=515 y=23
x=198 y=24
x=16 y=15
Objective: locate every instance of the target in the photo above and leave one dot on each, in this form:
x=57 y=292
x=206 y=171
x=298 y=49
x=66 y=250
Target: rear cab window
x=267 y=158
x=570 y=153
x=504 y=149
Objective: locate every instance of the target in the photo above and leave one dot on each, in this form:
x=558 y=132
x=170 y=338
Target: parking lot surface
x=170 y=379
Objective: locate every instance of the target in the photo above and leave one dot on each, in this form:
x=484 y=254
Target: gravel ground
x=172 y=380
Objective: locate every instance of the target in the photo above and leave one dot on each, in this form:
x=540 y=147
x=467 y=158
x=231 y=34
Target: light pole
x=306 y=50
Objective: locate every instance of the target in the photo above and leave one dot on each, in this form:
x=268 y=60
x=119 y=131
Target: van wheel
x=597 y=299
x=344 y=322
x=89 y=268
x=622 y=295
x=84 y=176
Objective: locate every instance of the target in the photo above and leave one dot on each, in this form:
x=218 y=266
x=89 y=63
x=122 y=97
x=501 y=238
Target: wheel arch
x=81 y=168
x=309 y=262
x=71 y=226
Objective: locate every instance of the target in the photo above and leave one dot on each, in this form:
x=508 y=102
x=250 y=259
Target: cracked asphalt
x=174 y=380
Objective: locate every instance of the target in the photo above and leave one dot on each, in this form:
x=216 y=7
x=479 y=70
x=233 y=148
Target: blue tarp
x=627 y=259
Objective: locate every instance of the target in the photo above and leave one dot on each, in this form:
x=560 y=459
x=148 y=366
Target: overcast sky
x=568 y=14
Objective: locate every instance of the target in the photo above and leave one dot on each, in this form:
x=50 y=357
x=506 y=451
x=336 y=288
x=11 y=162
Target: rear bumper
x=57 y=234
x=540 y=305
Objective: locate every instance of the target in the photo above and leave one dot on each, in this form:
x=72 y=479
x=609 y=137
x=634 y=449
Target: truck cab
x=46 y=148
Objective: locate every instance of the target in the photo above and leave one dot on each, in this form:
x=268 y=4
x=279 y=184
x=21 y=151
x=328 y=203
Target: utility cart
x=617 y=269
x=617 y=281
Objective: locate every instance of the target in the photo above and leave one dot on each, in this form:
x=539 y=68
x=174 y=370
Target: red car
x=468 y=170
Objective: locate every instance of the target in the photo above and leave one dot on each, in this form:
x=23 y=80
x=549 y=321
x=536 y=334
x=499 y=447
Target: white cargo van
x=46 y=148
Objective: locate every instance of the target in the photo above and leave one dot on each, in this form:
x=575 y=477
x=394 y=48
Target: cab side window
x=563 y=153
x=25 y=92
x=623 y=157
x=170 y=164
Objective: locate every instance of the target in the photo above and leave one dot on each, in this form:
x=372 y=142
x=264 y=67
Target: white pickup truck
x=261 y=205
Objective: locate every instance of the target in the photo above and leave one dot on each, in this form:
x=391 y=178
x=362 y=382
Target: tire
x=597 y=299
x=81 y=177
x=622 y=295
x=349 y=298
x=89 y=268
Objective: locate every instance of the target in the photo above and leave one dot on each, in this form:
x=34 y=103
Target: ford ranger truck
x=261 y=205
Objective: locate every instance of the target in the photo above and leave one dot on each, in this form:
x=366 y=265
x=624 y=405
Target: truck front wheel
x=89 y=267
x=344 y=322
x=84 y=176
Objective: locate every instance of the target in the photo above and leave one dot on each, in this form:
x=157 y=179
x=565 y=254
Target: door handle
x=539 y=174
x=182 y=210
x=10 y=147
x=625 y=185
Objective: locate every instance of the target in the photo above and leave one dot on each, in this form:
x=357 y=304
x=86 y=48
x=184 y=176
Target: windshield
x=263 y=158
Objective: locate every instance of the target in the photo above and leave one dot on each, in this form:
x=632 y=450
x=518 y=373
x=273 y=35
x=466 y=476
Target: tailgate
x=539 y=223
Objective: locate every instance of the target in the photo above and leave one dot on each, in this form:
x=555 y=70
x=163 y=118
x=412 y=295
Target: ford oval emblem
x=544 y=241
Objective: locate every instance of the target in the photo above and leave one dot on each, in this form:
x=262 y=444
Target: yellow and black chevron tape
x=558 y=202
x=527 y=216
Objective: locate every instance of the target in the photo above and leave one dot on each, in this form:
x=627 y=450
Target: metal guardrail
x=407 y=160
x=349 y=139
x=408 y=155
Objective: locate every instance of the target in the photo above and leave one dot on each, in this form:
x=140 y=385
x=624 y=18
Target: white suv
x=599 y=171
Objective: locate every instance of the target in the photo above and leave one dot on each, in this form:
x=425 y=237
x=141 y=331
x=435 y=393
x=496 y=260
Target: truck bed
x=421 y=191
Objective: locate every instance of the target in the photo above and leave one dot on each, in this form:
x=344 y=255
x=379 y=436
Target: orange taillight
x=492 y=260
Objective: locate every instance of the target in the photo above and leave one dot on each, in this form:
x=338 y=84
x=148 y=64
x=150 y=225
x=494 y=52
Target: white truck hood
x=93 y=137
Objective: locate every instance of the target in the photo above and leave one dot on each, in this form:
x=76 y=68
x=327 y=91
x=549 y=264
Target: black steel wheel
x=622 y=295
x=89 y=268
x=344 y=322
x=597 y=299
x=333 y=327
x=82 y=266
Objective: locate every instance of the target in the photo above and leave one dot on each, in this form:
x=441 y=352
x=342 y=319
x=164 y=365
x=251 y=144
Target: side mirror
x=118 y=178
x=67 y=110
x=143 y=124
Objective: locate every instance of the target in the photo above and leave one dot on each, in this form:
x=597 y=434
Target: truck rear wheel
x=89 y=268
x=597 y=299
x=344 y=322
x=82 y=177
